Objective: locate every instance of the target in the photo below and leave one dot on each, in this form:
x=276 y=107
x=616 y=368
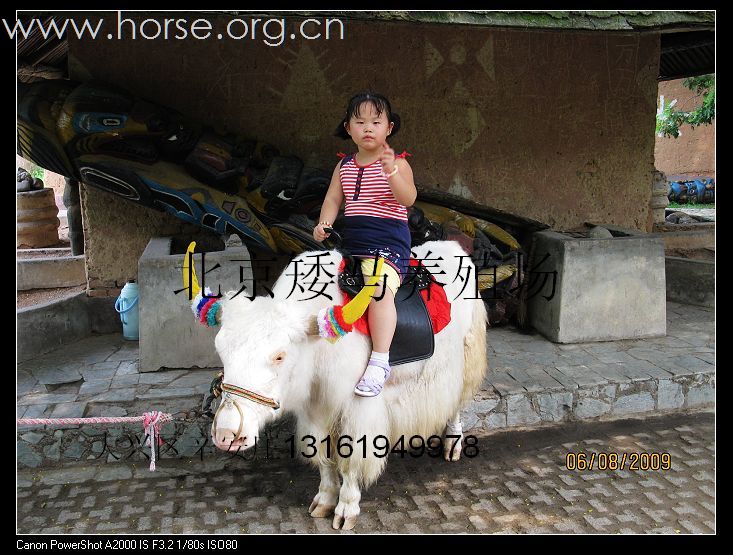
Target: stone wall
x=557 y=126
x=116 y=233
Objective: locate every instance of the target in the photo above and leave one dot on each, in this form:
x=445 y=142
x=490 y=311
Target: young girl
x=377 y=187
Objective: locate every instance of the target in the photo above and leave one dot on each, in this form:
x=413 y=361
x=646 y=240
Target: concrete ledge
x=703 y=239
x=605 y=401
x=690 y=281
x=46 y=250
x=43 y=328
x=44 y=447
x=190 y=438
x=47 y=273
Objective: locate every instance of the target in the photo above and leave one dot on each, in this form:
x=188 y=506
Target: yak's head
x=261 y=343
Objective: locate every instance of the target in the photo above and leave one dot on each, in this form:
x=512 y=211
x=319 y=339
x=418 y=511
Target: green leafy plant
x=37 y=172
x=691 y=205
x=670 y=120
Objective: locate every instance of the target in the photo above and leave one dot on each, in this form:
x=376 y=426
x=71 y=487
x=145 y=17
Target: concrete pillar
x=588 y=289
x=170 y=336
x=73 y=216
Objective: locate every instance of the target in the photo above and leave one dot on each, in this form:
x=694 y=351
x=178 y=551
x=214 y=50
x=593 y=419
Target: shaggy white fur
x=264 y=346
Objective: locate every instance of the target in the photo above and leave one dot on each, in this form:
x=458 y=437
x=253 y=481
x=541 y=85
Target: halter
x=250 y=395
x=228 y=391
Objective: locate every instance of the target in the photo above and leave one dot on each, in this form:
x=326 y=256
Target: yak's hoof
x=320 y=511
x=339 y=523
x=455 y=456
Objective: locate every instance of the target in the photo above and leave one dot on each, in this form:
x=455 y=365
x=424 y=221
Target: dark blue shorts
x=386 y=237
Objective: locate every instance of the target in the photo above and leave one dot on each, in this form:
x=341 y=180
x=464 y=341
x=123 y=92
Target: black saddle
x=413 y=339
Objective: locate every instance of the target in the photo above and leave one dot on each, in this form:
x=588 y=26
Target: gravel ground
x=38 y=296
x=42 y=253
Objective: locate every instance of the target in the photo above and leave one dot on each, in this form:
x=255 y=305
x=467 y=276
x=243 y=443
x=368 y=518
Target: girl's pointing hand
x=388 y=159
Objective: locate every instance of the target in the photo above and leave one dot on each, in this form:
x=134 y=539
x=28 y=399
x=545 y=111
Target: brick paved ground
x=516 y=484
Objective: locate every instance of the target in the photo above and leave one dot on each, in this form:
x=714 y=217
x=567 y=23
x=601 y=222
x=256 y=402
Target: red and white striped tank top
x=367 y=191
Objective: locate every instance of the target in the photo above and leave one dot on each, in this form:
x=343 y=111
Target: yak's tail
x=475 y=358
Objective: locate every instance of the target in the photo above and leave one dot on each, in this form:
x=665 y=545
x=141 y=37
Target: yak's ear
x=296 y=319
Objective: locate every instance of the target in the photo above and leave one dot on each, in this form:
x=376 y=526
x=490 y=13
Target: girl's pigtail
x=397 y=122
x=341 y=131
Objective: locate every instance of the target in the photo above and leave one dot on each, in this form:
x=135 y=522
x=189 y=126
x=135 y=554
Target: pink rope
x=151 y=424
x=89 y=420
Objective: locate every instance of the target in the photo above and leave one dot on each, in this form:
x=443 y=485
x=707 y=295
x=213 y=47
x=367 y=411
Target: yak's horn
x=356 y=308
x=334 y=322
x=195 y=288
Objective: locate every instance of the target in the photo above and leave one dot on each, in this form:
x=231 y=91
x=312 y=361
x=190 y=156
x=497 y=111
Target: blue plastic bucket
x=126 y=306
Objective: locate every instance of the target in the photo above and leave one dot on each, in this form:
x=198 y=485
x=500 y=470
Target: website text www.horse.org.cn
x=270 y=31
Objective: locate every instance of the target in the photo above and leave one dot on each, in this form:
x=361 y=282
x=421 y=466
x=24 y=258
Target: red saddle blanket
x=435 y=299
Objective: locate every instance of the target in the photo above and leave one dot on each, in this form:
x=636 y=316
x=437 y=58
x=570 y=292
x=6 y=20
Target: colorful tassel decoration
x=205 y=309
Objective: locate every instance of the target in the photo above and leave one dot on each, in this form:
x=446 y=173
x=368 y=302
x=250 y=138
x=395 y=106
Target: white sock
x=376 y=373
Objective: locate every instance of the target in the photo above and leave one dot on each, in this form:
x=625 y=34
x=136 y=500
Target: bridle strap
x=228 y=390
x=216 y=415
x=250 y=395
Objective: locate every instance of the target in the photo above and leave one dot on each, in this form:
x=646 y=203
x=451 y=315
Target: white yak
x=272 y=355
